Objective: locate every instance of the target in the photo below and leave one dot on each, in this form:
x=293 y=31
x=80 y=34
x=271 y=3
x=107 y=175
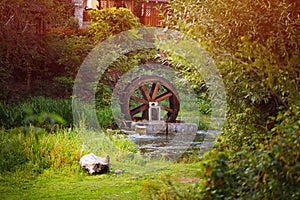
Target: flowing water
x=172 y=147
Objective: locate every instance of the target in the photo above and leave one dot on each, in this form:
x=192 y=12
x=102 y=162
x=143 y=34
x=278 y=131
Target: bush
x=72 y=50
x=256 y=47
x=270 y=172
x=111 y=21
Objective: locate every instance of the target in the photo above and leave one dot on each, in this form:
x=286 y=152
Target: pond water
x=174 y=146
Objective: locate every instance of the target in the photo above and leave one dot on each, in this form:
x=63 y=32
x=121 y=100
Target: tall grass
x=118 y=146
x=17 y=114
x=27 y=144
x=33 y=151
x=14 y=115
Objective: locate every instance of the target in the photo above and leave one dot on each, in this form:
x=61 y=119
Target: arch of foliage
x=256 y=46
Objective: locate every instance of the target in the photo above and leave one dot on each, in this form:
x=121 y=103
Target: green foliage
x=111 y=21
x=256 y=48
x=63 y=184
x=64 y=53
x=118 y=68
x=24 y=52
x=48 y=113
x=71 y=52
x=119 y=147
x=30 y=59
x=47 y=121
x=210 y=21
x=255 y=45
x=104 y=24
x=37 y=110
x=63 y=85
x=261 y=174
x=105 y=117
x=33 y=152
x=270 y=172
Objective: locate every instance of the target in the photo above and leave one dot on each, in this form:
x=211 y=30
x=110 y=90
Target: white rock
x=95 y=164
x=118 y=171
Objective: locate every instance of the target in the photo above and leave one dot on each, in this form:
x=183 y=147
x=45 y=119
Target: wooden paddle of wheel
x=145 y=90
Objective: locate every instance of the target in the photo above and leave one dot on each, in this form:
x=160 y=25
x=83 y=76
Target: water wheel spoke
x=170 y=110
x=138 y=109
x=164 y=96
x=143 y=101
x=154 y=90
x=144 y=92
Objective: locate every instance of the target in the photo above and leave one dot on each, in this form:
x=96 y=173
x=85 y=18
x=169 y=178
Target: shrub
x=111 y=21
x=72 y=51
x=270 y=172
x=256 y=47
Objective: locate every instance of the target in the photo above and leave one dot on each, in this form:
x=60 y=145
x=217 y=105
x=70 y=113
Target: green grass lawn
x=59 y=185
x=42 y=165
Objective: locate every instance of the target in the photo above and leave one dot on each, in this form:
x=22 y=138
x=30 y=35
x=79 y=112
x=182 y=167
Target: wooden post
x=132 y=6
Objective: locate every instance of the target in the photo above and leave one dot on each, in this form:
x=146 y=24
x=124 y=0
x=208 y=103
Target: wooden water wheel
x=145 y=90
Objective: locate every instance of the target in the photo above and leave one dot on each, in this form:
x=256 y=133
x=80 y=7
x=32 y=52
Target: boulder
x=94 y=164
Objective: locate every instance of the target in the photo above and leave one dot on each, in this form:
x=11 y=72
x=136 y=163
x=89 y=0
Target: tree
x=23 y=49
x=106 y=23
x=256 y=46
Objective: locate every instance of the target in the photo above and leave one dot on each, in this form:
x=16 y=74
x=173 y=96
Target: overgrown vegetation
x=256 y=47
x=36 y=150
x=34 y=41
x=46 y=113
x=36 y=162
x=111 y=21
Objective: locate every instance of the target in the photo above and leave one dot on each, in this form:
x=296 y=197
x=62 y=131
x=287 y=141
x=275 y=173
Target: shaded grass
x=14 y=114
x=31 y=111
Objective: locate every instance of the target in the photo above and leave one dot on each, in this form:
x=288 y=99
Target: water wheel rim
x=161 y=90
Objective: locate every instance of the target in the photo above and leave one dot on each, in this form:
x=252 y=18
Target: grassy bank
x=130 y=185
x=39 y=165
